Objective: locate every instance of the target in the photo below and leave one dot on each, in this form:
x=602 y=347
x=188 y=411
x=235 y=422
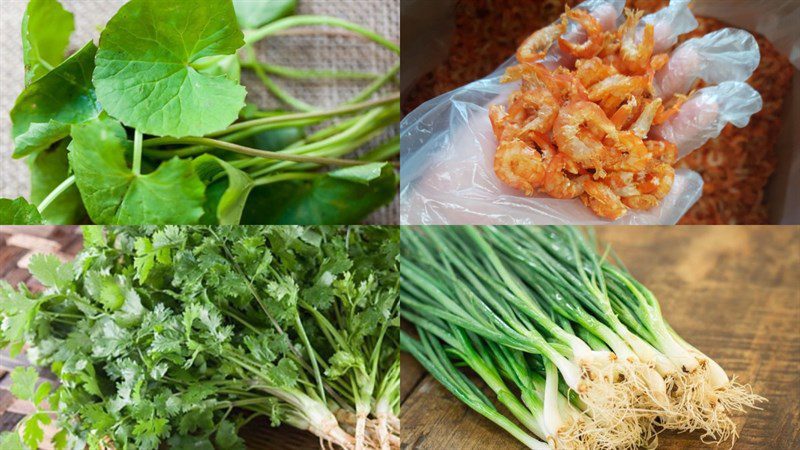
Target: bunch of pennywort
x=150 y=126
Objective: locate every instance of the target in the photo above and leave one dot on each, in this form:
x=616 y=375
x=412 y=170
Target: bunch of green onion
x=573 y=346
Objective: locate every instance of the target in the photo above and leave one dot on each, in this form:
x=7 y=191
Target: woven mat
x=335 y=50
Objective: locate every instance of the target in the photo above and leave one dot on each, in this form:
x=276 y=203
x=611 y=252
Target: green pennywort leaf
x=49 y=169
x=44 y=112
x=327 y=200
x=18 y=212
x=256 y=13
x=227 y=195
x=360 y=174
x=46 y=28
x=113 y=194
x=145 y=74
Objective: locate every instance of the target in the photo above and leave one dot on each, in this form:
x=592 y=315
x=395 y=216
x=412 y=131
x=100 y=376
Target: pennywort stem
x=285 y=177
x=376 y=85
x=137 y=153
x=295 y=21
x=307 y=74
x=266 y=154
x=276 y=90
x=284 y=119
x=66 y=184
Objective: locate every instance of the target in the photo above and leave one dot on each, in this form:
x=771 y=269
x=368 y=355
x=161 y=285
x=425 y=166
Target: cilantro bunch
x=150 y=126
x=179 y=336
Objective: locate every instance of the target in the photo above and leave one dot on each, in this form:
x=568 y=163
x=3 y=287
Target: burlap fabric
x=336 y=50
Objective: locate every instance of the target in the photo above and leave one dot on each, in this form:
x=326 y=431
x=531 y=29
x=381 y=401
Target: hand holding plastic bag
x=447 y=174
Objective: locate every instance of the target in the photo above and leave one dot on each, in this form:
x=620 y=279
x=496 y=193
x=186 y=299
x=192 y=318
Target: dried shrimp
x=582 y=129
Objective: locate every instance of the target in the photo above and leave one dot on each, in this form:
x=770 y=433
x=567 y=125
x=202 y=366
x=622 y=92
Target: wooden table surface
x=733 y=292
x=18 y=243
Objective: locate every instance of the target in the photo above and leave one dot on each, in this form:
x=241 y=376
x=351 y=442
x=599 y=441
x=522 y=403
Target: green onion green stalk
x=590 y=360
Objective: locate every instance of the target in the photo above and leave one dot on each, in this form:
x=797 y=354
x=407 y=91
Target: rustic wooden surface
x=733 y=292
x=16 y=246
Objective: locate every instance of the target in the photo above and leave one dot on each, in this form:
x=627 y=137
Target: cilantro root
x=180 y=336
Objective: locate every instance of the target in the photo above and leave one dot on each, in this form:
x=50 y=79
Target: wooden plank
x=410 y=377
x=733 y=292
x=32 y=230
x=6 y=400
x=8 y=259
x=9 y=420
x=35 y=243
x=259 y=435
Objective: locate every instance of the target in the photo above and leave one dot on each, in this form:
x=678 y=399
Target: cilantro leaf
x=18 y=312
x=23 y=381
x=44 y=112
x=11 y=441
x=59 y=440
x=32 y=432
x=18 y=212
x=46 y=28
x=226 y=438
x=146 y=74
x=113 y=194
x=50 y=271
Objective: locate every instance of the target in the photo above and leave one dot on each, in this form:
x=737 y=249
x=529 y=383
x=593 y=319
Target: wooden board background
x=733 y=292
x=16 y=246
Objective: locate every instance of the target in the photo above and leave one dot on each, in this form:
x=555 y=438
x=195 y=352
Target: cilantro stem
x=304 y=74
x=311 y=356
x=247 y=324
x=60 y=189
x=137 y=153
x=295 y=21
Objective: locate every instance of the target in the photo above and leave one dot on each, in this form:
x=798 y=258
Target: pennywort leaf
x=49 y=168
x=145 y=74
x=113 y=194
x=226 y=195
x=44 y=112
x=360 y=174
x=46 y=28
x=256 y=13
x=330 y=199
x=18 y=212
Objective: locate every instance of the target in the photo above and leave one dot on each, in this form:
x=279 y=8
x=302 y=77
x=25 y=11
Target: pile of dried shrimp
x=582 y=131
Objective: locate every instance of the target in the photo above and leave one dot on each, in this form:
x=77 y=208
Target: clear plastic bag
x=447 y=174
